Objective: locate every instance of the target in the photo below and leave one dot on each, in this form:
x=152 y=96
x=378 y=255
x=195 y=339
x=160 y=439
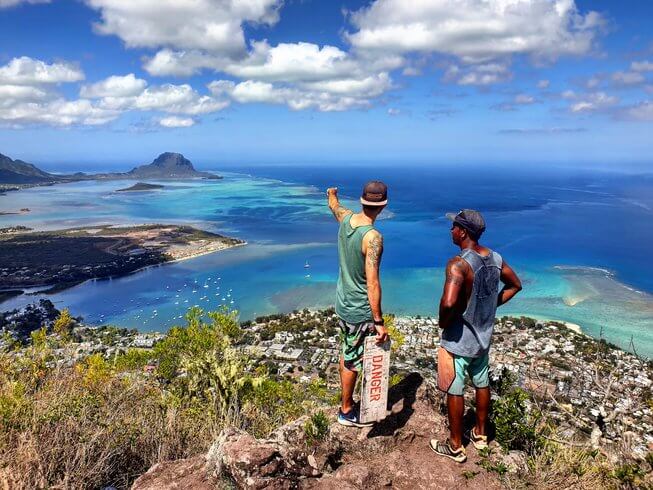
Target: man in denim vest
x=467 y=309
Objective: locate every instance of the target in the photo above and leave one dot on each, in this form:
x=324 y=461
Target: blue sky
x=103 y=83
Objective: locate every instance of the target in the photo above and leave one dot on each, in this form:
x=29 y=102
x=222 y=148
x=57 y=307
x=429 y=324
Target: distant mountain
x=168 y=166
x=165 y=166
x=19 y=172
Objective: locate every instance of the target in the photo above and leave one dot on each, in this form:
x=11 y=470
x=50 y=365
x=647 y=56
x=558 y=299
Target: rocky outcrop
x=394 y=453
x=168 y=166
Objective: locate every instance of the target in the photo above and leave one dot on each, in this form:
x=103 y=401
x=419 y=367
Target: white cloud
x=10 y=93
x=211 y=25
x=641 y=66
x=543 y=84
x=524 y=99
x=114 y=86
x=476 y=30
x=627 y=77
x=28 y=97
x=296 y=98
x=28 y=71
x=640 y=112
x=176 y=122
x=13 y=3
x=481 y=74
x=593 y=82
x=59 y=112
x=392 y=111
x=593 y=102
x=174 y=99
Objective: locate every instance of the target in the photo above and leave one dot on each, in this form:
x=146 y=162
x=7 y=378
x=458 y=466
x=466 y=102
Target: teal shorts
x=352 y=340
x=476 y=367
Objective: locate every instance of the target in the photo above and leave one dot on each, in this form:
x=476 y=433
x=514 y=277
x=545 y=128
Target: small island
x=141 y=186
x=64 y=258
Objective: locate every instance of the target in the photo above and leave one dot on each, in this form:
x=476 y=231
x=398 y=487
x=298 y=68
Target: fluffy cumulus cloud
x=29 y=95
x=211 y=25
x=327 y=96
x=28 y=71
x=480 y=35
x=115 y=86
x=476 y=30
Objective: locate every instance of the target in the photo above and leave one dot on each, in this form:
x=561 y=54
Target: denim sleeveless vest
x=470 y=334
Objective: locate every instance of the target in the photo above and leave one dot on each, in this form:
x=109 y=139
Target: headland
x=63 y=258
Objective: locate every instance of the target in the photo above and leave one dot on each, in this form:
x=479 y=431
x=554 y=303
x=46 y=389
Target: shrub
x=316 y=427
x=515 y=426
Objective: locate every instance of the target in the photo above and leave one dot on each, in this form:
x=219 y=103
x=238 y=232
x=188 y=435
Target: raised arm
x=453 y=286
x=373 y=249
x=334 y=205
x=512 y=284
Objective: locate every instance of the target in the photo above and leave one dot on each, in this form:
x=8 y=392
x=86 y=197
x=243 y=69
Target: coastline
x=58 y=260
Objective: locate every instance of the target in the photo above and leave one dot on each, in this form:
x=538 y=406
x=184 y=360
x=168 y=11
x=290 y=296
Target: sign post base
x=374 y=386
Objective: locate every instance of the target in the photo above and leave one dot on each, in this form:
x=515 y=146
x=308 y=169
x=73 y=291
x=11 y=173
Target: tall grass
x=103 y=421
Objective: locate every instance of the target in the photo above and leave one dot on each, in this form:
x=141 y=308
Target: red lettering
x=375 y=398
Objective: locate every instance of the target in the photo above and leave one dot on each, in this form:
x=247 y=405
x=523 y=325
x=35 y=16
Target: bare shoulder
x=373 y=235
x=340 y=212
x=457 y=264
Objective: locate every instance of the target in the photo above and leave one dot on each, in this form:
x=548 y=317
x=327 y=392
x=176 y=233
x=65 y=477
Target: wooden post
x=374 y=388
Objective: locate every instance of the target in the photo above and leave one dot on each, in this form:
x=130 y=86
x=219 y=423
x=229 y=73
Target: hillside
x=202 y=407
x=20 y=172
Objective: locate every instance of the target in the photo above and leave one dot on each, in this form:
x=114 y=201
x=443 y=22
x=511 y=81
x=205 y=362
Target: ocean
x=577 y=238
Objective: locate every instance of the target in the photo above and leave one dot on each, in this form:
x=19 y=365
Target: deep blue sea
x=579 y=239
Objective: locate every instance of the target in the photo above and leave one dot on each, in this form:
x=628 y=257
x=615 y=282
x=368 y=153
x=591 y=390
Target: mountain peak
x=170 y=159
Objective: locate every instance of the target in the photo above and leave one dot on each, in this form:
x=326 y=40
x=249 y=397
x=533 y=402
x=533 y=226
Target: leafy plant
x=515 y=426
x=316 y=428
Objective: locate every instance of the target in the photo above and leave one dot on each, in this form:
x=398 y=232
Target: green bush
x=317 y=427
x=515 y=427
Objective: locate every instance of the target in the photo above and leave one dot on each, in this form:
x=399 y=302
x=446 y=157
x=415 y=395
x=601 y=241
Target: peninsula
x=64 y=258
x=17 y=174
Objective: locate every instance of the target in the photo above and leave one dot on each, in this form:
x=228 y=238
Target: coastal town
x=592 y=391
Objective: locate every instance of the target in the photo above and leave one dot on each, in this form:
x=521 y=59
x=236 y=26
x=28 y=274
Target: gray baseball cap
x=469 y=219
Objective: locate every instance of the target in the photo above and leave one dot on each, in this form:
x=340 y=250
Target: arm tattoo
x=340 y=212
x=455 y=274
x=454 y=279
x=375 y=250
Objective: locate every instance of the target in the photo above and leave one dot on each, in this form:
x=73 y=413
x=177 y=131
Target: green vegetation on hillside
x=131 y=410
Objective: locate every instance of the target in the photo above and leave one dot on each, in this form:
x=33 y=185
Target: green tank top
x=352 y=303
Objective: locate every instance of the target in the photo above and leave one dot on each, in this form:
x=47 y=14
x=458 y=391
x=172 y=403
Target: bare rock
x=177 y=475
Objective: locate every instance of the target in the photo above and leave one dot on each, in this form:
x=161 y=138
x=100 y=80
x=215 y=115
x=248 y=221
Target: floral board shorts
x=352 y=339
x=452 y=369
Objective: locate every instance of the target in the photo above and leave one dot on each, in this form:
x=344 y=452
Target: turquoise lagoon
x=574 y=239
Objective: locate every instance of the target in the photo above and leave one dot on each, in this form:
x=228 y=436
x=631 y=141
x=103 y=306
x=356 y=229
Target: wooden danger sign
x=374 y=388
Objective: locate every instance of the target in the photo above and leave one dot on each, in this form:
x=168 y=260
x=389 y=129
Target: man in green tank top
x=358 y=295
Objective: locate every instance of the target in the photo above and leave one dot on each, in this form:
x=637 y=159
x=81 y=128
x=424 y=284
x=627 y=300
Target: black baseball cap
x=375 y=193
x=469 y=219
